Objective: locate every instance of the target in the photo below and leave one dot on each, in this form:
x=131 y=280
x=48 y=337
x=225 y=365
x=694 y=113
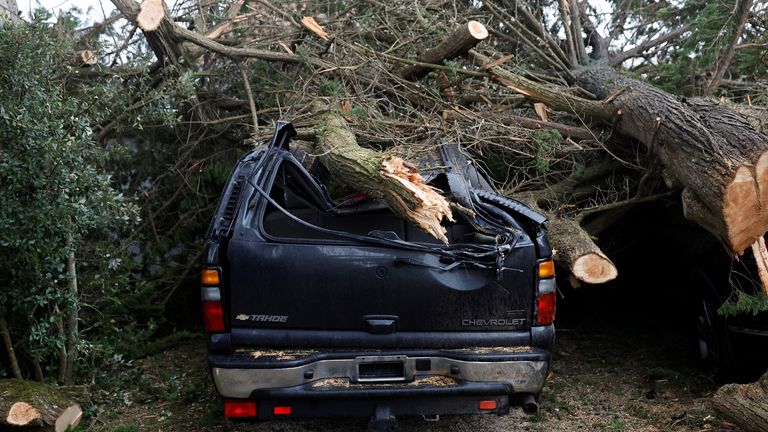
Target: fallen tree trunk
x=720 y=190
x=574 y=248
x=388 y=178
x=456 y=44
x=38 y=405
x=746 y=405
x=739 y=133
x=576 y=251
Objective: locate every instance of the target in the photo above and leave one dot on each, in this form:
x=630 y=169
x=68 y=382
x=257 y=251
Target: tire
x=715 y=350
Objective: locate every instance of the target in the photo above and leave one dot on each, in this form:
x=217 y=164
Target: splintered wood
x=431 y=207
x=388 y=178
x=314 y=27
x=761 y=259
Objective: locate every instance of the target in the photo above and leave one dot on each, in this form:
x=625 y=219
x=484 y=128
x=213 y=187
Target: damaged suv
x=315 y=308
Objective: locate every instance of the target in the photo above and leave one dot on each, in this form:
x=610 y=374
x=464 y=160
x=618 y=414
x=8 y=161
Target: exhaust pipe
x=529 y=404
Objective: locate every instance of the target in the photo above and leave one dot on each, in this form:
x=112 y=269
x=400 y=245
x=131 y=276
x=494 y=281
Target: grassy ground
x=620 y=377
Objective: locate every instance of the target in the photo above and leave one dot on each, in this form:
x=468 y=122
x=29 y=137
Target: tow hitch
x=382 y=420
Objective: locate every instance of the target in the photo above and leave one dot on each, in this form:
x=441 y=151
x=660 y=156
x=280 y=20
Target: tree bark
x=746 y=405
x=35 y=404
x=738 y=133
x=720 y=191
x=456 y=44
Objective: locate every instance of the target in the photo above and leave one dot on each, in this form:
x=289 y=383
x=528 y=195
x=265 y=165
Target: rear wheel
x=715 y=353
x=729 y=354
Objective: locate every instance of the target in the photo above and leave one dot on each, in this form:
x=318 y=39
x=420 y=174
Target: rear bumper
x=418 y=373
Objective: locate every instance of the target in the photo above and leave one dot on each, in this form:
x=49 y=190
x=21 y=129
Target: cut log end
x=761 y=175
x=32 y=404
x=594 y=268
x=455 y=44
x=477 y=30
x=84 y=58
x=23 y=414
x=151 y=15
x=69 y=418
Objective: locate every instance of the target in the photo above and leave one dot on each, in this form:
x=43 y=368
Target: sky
x=93 y=10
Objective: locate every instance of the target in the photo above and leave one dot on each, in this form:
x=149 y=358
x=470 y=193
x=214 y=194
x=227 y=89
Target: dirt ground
x=619 y=365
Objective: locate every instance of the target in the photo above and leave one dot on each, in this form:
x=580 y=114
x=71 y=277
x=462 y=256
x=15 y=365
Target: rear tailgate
x=375 y=289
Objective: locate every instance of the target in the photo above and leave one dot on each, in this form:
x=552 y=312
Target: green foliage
x=357 y=112
x=545 y=140
x=331 y=87
x=617 y=426
x=57 y=197
x=684 y=68
x=303 y=54
x=130 y=427
x=453 y=68
x=744 y=303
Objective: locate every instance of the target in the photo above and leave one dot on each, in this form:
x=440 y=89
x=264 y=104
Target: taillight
x=282 y=410
x=209 y=277
x=239 y=409
x=546 y=309
x=546 y=293
x=487 y=405
x=547 y=269
x=213 y=316
x=213 y=312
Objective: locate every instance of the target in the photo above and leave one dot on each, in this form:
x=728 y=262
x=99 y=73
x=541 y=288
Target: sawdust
x=433 y=381
x=274 y=354
x=491 y=350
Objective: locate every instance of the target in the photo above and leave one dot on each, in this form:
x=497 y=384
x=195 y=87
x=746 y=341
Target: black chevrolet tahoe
x=317 y=308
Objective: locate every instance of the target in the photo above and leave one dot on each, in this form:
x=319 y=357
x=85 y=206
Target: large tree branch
x=740 y=12
x=576 y=29
x=594 y=39
x=551 y=96
x=619 y=58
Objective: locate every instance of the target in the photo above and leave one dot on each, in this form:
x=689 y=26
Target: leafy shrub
x=59 y=208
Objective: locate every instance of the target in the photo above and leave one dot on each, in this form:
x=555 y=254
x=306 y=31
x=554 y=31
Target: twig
x=251 y=102
x=624 y=203
x=552 y=59
x=6 y=336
